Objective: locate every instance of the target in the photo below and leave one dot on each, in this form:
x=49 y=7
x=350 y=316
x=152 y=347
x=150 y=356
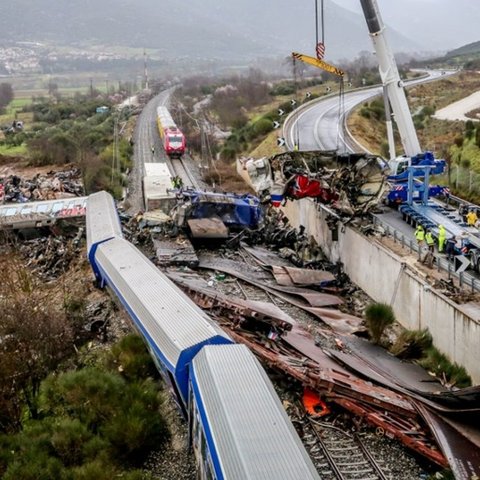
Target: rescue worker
x=420 y=235
x=442 y=238
x=429 y=258
x=450 y=247
x=471 y=218
x=430 y=241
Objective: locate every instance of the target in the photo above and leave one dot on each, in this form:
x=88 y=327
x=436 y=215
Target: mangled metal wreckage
x=350 y=183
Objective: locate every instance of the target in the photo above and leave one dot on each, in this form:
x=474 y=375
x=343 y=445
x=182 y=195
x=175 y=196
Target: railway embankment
x=386 y=277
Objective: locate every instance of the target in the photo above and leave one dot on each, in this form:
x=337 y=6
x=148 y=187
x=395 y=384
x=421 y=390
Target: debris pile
x=49 y=257
x=49 y=186
x=398 y=399
x=352 y=184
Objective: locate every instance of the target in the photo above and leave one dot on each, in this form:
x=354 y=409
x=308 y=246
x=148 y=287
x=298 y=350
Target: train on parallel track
x=172 y=137
x=238 y=428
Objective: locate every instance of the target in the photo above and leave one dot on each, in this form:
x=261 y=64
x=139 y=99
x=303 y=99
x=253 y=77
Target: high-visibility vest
x=442 y=233
x=420 y=234
x=429 y=239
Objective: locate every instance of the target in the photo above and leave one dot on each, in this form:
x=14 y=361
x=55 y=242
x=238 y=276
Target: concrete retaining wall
x=379 y=272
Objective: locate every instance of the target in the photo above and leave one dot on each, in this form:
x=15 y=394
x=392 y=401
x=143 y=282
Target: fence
x=465 y=179
x=466 y=279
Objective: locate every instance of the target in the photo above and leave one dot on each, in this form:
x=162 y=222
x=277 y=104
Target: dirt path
x=457 y=110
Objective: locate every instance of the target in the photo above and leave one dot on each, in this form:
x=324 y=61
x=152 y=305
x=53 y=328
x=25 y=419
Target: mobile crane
x=395 y=95
x=415 y=164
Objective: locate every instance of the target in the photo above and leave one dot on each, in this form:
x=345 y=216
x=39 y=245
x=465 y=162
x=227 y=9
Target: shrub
x=379 y=316
x=126 y=415
x=262 y=126
x=130 y=357
x=469 y=129
x=437 y=363
x=412 y=344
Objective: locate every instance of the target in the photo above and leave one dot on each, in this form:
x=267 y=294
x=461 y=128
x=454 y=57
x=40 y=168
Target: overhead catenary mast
x=145 y=71
x=391 y=78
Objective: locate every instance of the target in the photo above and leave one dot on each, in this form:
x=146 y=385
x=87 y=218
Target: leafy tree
x=6 y=95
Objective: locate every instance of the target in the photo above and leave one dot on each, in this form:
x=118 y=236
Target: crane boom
x=391 y=78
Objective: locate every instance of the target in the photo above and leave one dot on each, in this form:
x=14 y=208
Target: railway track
x=339 y=455
x=178 y=168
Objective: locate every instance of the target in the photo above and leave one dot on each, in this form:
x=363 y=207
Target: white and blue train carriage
x=239 y=428
x=174 y=328
x=103 y=224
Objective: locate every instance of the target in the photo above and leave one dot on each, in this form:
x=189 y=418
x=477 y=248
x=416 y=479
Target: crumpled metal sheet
x=338 y=321
x=304 y=276
x=236 y=269
x=207 y=228
x=261 y=311
x=462 y=455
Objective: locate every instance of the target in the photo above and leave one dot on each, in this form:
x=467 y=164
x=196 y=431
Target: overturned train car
x=239 y=430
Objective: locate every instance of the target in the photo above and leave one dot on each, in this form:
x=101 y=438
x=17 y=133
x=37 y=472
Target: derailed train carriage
x=238 y=427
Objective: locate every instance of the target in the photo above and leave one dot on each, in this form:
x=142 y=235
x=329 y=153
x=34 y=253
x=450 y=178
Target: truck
x=399 y=166
x=398 y=193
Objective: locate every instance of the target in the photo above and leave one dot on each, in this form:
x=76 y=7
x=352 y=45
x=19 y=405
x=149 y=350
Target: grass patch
x=451 y=373
x=378 y=316
x=412 y=344
x=13 y=151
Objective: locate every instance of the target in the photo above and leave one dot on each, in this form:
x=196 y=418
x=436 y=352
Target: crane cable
x=341 y=94
x=316 y=22
x=296 y=129
x=341 y=114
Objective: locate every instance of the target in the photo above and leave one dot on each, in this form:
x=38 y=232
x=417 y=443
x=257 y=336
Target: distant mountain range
x=438 y=25
x=197 y=29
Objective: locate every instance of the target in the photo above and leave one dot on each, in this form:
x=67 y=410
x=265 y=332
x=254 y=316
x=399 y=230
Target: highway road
x=321 y=124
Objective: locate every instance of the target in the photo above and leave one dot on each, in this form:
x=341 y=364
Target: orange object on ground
x=313 y=404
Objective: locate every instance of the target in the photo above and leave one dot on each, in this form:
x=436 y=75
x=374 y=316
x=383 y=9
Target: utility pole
x=145 y=71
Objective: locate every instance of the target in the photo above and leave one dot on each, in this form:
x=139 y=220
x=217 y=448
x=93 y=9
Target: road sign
x=308 y=94
x=461 y=263
x=280 y=112
x=280 y=141
x=328 y=89
x=293 y=102
x=349 y=84
x=276 y=124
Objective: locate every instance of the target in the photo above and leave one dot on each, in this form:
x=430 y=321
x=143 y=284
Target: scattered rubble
x=352 y=184
x=49 y=186
x=51 y=256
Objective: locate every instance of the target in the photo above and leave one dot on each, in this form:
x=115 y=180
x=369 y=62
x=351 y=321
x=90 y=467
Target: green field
x=21 y=150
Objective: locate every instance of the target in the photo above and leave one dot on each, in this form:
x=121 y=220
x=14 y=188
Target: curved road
x=321 y=124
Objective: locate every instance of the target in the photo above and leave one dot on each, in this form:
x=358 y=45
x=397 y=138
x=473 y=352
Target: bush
x=379 y=316
x=441 y=366
x=126 y=415
x=130 y=357
x=412 y=344
x=262 y=127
